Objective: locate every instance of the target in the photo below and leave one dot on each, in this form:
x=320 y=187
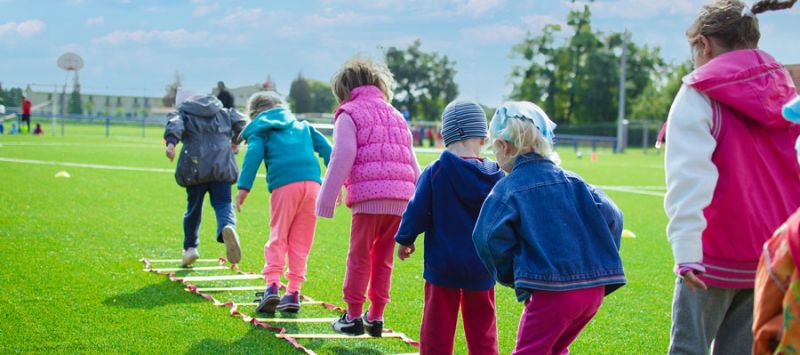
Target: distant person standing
x=224 y=95
x=405 y=113
x=26 y=112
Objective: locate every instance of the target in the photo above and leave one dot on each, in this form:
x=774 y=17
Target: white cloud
x=508 y=32
x=154 y=9
x=203 y=8
x=332 y=17
x=637 y=10
x=494 y=33
x=96 y=21
x=536 y=22
x=242 y=16
x=175 y=38
x=480 y=7
x=26 y=29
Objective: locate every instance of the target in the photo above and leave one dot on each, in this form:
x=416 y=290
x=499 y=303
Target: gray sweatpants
x=720 y=319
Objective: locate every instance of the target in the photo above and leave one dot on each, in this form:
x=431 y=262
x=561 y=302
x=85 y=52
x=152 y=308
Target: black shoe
x=269 y=299
x=374 y=328
x=348 y=327
x=290 y=302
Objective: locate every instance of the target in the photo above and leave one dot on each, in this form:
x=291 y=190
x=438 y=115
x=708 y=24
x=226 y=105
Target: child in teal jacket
x=286 y=146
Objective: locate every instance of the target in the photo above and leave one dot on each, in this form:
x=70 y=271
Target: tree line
x=573 y=73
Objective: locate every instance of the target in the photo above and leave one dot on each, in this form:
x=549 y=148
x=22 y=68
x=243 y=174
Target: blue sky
x=134 y=47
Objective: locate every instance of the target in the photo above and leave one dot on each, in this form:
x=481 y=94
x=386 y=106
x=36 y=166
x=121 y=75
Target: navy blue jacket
x=544 y=228
x=446 y=205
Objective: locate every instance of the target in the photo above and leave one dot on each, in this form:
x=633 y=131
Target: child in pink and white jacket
x=374 y=159
x=728 y=185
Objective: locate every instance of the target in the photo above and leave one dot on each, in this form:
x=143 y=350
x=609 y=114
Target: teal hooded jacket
x=286 y=146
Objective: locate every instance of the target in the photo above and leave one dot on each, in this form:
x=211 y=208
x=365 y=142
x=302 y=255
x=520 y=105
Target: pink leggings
x=369 y=263
x=291 y=232
x=552 y=320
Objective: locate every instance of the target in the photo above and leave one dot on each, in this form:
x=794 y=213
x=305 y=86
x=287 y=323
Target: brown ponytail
x=771 y=5
x=728 y=22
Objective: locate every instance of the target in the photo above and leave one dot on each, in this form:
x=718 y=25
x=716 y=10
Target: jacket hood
x=204 y=106
x=750 y=81
x=473 y=179
x=278 y=118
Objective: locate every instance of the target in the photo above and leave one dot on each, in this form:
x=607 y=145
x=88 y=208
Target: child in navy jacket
x=446 y=205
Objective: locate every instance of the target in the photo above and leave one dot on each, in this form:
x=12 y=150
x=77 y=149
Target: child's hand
x=403 y=251
x=693 y=282
x=235 y=148
x=241 y=195
x=170 y=152
x=339 y=199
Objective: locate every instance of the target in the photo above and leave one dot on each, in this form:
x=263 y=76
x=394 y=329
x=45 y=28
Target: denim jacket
x=544 y=228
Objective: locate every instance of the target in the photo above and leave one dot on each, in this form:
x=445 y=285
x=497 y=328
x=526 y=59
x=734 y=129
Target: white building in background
x=130 y=106
x=100 y=104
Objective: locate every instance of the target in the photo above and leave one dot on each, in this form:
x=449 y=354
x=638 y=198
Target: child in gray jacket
x=206 y=165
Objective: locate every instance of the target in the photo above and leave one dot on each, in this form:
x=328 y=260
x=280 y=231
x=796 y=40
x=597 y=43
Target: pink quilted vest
x=383 y=169
x=759 y=177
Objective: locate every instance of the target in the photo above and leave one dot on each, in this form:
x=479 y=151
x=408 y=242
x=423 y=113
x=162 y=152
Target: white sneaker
x=232 y=248
x=190 y=256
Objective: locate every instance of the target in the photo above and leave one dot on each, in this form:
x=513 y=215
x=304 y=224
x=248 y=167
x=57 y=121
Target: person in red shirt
x=26 y=112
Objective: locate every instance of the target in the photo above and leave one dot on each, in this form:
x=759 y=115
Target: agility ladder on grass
x=259 y=322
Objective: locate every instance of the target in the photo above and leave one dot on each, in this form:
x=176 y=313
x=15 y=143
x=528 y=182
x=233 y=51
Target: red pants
x=440 y=317
x=369 y=263
x=552 y=320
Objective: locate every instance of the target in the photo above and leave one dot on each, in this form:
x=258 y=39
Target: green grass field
x=72 y=280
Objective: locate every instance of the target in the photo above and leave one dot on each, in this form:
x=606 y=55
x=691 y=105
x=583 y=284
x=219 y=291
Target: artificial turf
x=72 y=280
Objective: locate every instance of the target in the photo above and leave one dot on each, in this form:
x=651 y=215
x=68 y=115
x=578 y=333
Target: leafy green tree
x=322 y=99
x=577 y=81
x=75 y=106
x=425 y=82
x=656 y=100
x=300 y=95
x=88 y=107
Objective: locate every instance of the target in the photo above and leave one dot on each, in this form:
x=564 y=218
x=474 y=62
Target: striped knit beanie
x=463 y=120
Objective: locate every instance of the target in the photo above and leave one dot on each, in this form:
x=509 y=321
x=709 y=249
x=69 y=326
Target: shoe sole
x=346 y=333
x=232 y=248
x=268 y=306
x=190 y=261
x=372 y=333
x=289 y=308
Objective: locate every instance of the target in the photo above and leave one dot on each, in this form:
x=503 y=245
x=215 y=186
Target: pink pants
x=291 y=232
x=552 y=320
x=440 y=317
x=369 y=263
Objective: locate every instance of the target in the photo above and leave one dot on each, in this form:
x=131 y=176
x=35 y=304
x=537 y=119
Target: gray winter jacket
x=206 y=130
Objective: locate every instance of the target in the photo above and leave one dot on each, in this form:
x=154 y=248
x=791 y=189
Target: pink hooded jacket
x=759 y=178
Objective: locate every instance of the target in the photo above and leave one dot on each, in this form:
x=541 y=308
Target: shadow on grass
x=256 y=341
x=151 y=296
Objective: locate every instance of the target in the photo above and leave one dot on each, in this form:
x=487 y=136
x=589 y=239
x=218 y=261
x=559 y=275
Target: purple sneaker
x=269 y=299
x=290 y=302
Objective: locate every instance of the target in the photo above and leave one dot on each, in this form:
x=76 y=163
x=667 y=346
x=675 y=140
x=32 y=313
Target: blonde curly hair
x=359 y=72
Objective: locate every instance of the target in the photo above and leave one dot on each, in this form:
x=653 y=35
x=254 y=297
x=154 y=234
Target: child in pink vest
x=374 y=159
x=728 y=185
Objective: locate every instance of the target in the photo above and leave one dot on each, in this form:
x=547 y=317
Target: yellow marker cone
x=628 y=234
x=62 y=174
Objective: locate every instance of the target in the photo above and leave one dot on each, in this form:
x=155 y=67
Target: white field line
x=641 y=190
x=632 y=190
x=92 y=166
x=82 y=145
